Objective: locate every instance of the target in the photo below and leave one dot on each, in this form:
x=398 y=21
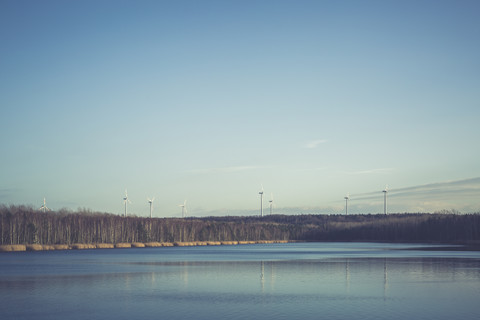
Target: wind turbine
x=346 y=204
x=44 y=207
x=261 y=202
x=271 y=204
x=184 y=208
x=151 y=203
x=385 y=191
x=126 y=200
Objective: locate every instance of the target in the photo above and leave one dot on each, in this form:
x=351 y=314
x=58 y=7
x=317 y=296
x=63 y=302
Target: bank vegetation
x=25 y=226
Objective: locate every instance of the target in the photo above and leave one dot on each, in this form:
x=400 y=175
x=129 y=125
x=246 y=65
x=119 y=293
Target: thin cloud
x=314 y=143
x=471 y=182
x=467 y=187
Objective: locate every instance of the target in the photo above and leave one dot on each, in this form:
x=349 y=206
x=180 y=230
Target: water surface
x=274 y=281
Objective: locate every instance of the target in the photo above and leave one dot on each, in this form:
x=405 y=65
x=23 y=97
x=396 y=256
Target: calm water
x=276 y=281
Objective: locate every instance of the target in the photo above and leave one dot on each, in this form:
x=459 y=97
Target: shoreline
x=123 y=245
x=458 y=246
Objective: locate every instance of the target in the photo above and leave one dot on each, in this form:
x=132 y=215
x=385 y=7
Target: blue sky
x=208 y=100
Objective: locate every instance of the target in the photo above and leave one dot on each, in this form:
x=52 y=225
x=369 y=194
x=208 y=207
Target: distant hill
x=24 y=225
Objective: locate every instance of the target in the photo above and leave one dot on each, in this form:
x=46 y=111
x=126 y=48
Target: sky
x=209 y=101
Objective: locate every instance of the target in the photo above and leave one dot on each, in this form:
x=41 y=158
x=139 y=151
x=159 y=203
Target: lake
x=273 y=281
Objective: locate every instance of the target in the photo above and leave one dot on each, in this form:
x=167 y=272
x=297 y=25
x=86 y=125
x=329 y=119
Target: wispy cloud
x=466 y=187
x=471 y=182
x=314 y=143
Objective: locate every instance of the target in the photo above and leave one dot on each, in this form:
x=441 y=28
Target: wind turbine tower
x=184 y=208
x=44 y=207
x=126 y=200
x=346 y=204
x=271 y=204
x=151 y=205
x=261 y=202
x=385 y=191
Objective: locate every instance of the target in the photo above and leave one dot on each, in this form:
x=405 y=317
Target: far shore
x=83 y=246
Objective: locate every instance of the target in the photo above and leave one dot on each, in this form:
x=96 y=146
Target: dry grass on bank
x=38 y=247
x=105 y=246
x=167 y=244
x=34 y=247
x=123 y=245
x=13 y=247
x=82 y=246
x=214 y=243
x=229 y=243
x=158 y=244
x=153 y=244
x=61 y=246
x=184 y=244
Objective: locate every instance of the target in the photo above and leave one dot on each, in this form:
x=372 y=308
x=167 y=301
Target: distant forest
x=24 y=225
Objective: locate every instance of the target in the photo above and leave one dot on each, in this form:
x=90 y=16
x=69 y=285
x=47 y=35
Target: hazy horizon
x=357 y=203
x=206 y=101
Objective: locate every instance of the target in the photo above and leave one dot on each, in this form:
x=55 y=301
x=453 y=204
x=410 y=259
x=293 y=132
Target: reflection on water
x=288 y=281
x=385 y=278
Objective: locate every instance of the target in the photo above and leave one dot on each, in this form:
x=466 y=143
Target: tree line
x=25 y=225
